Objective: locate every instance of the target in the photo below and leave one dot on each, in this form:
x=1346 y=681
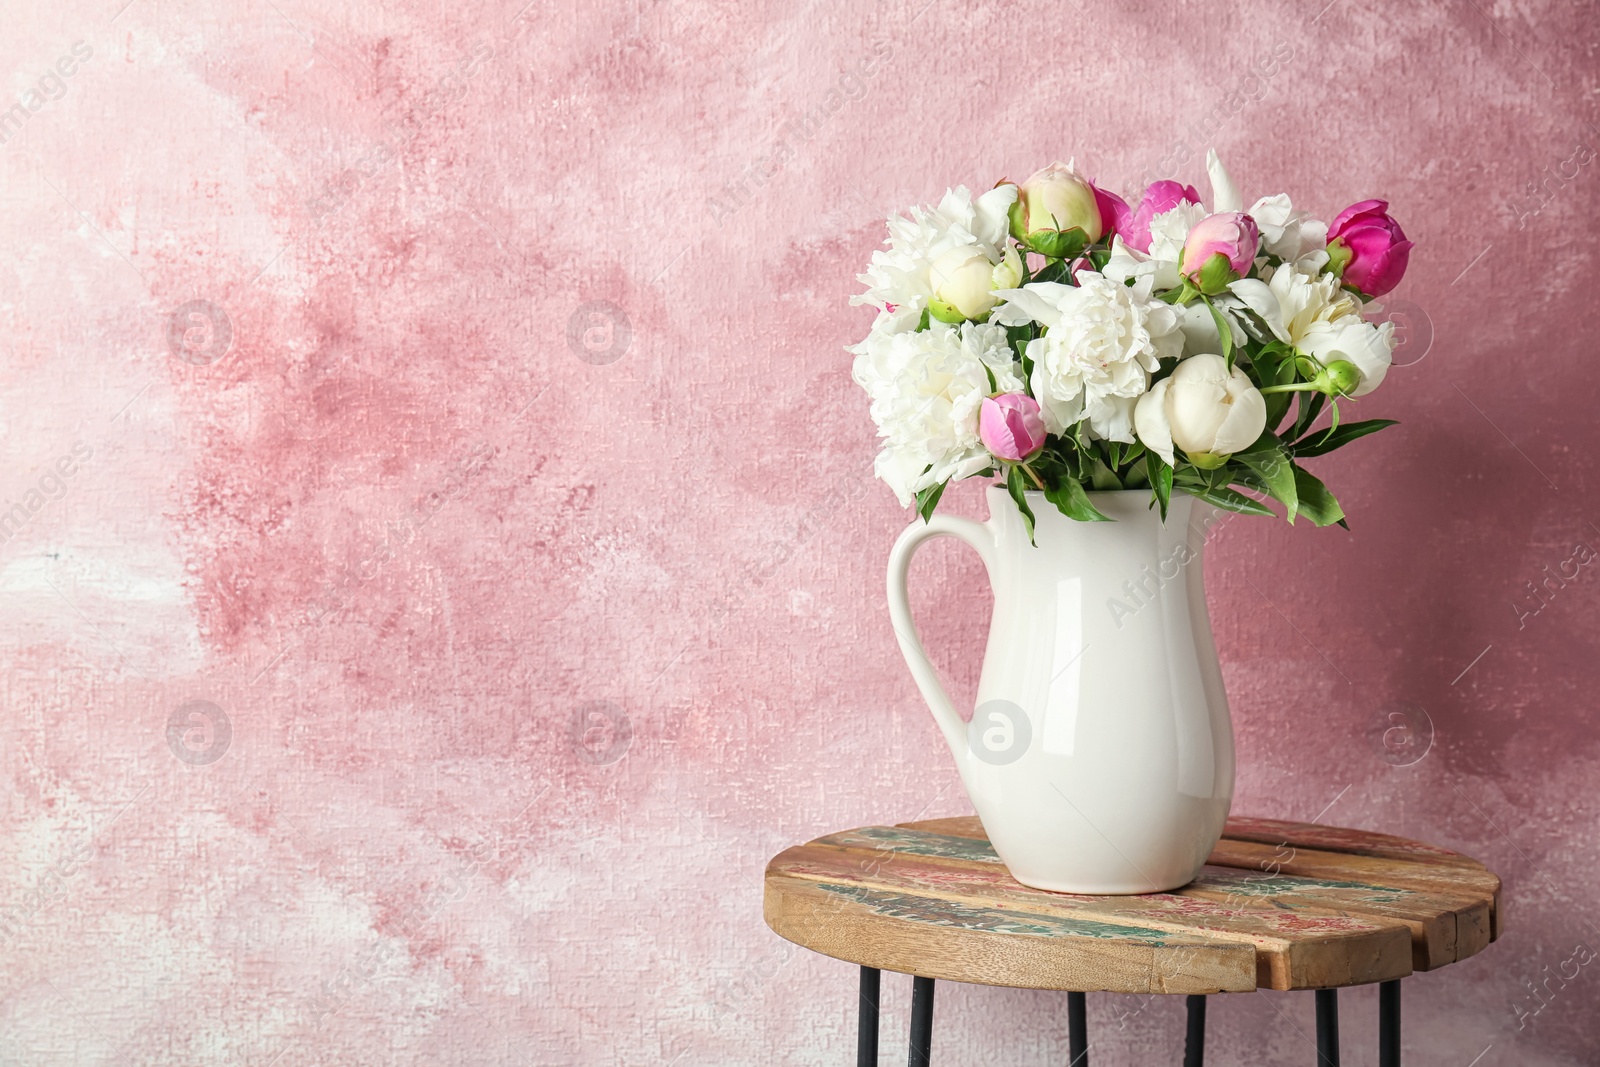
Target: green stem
x=1029 y=472
x=1300 y=388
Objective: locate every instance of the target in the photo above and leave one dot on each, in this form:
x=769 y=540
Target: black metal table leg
x=1194 y=1040
x=1389 y=1024
x=1327 y=1028
x=921 y=1021
x=867 y=1026
x=1077 y=1031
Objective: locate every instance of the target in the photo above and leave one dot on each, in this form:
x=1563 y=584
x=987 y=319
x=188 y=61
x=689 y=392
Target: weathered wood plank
x=955 y=826
x=972 y=943
x=1444 y=927
x=1341 y=839
x=1294 y=949
x=1474 y=883
x=1442 y=872
x=1269 y=832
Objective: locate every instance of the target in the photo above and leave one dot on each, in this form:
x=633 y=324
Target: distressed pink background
x=519 y=428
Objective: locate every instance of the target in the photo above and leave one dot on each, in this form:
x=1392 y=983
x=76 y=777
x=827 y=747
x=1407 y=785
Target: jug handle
x=980 y=537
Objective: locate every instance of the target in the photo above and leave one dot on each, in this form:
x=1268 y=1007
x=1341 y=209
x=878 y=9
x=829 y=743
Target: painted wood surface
x=1281 y=905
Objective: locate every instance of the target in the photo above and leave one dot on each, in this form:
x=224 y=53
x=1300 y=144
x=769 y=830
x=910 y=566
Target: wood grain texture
x=990 y=946
x=1282 y=906
x=1341 y=839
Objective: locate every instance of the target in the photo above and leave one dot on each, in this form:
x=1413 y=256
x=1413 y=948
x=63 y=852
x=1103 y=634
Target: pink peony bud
x=1158 y=199
x=1230 y=234
x=1010 y=426
x=1369 y=246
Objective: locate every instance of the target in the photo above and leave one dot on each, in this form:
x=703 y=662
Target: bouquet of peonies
x=1054 y=336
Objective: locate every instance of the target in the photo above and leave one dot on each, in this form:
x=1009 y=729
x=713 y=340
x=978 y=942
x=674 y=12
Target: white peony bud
x=1008 y=272
x=1055 y=198
x=1202 y=408
x=964 y=282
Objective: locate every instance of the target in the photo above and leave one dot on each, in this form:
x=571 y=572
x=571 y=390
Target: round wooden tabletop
x=1281 y=905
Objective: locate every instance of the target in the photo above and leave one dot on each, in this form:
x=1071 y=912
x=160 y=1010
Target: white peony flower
x=1168 y=232
x=901 y=280
x=1318 y=316
x=1125 y=263
x=1290 y=300
x=1200 y=333
x=1224 y=194
x=1369 y=346
x=926 y=389
x=1293 y=236
x=1102 y=341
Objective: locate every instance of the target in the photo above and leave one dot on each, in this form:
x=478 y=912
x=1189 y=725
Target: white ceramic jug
x=1100 y=755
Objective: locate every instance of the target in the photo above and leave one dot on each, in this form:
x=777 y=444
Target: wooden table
x=1281 y=905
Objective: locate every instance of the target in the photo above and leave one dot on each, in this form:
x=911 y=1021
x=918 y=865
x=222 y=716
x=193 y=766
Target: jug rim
x=1039 y=493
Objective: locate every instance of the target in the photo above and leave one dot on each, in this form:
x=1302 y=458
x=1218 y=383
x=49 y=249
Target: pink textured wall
x=507 y=492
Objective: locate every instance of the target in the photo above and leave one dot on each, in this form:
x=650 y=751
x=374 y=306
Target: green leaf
x=1231 y=500
x=1160 y=473
x=1343 y=435
x=923 y=323
x=1275 y=371
x=993 y=385
x=1135 y=476
x=1274 y=350
x=1053 y=271
x=1058 y=244
x=1102 y=476
x=1016 y=487
x=1018 y=336
x=1224 y=332
x=1048 y=464
x=928 y=499
x=1316 y=503
x=1268 y=460
x=1071 y=500
x=1310 y=406
x=1063 y=461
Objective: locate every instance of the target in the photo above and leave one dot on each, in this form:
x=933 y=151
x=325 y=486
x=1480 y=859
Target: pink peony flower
x=1158 y=199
